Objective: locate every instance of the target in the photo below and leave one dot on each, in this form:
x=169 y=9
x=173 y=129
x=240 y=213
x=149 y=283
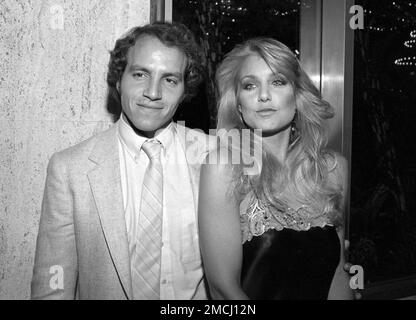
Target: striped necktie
x=146 y=261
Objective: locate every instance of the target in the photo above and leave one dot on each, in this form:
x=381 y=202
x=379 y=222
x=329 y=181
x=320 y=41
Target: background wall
x=53 y=60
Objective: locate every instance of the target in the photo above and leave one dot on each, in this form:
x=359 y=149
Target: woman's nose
x=264 y=95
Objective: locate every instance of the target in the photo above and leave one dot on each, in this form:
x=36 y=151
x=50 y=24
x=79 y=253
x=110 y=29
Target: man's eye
x=138 y=74
x=172 y=81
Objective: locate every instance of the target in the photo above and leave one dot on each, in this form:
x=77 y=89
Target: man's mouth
x=145 y=106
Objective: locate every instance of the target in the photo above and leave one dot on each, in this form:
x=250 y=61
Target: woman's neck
x=277 y=144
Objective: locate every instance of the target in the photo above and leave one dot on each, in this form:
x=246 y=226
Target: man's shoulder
x=195 y=142
x=84 y=148
x=180 y=127
x=192 y=136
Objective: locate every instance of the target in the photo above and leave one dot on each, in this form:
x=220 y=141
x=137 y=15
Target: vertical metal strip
x=168 y=10
x=311 y=39
x=157 y=10
x=326 y=54
x=337 y=76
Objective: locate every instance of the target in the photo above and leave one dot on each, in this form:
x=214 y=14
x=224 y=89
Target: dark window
x=383 y=184
x=219 y=26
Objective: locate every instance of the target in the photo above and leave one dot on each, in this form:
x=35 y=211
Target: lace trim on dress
x=258 y=218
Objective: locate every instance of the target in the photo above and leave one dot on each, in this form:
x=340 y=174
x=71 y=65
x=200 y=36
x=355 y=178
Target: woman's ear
x=240 y=114
x=239 y=108
x=118 y=87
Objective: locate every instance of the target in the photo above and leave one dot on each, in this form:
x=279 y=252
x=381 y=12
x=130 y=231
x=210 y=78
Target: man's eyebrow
x=134 y=67
x=174 y=74
x=137 y=67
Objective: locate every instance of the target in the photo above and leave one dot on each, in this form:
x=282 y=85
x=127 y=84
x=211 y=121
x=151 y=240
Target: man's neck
x=145 y=134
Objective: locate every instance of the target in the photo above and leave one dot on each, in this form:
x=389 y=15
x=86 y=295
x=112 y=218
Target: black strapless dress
x=290 y=265
x=291 y=255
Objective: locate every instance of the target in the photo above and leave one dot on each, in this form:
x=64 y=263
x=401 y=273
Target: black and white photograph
x=207 y=154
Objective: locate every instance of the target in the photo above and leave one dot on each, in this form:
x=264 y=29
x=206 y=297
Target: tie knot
x=152 y=149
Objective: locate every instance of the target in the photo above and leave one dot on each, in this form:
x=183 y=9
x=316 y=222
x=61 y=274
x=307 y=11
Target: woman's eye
x=279 y=82
x=248 y=86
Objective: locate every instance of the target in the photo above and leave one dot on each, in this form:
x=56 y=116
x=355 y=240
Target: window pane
x=219 y=26
x=383 y=188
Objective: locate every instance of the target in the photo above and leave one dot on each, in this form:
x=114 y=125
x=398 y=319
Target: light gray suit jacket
x=82 y=249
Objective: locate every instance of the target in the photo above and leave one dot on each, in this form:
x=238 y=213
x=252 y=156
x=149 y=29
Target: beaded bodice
x=257 y=218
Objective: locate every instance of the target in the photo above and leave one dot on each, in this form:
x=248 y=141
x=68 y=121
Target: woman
x=278 y=234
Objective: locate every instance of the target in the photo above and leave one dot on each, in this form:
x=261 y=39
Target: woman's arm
x=220 y=233
x=340 y=289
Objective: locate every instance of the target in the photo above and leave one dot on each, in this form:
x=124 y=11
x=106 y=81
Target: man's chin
x=148 y=130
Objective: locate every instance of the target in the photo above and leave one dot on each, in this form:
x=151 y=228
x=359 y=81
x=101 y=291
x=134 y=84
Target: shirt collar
x=133 y=142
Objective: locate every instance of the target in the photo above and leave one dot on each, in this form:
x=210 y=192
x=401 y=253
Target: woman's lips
x=266 y=112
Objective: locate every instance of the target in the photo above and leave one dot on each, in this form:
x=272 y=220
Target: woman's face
x=265 y=99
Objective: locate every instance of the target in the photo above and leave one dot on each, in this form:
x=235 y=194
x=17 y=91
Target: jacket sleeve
x=55 y=269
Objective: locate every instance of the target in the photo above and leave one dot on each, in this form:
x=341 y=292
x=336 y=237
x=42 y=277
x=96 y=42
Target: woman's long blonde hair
x=308 y=163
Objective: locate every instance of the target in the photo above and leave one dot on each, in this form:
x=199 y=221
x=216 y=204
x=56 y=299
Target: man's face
x=152 y=85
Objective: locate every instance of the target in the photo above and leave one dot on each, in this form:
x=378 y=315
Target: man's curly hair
x=171 y=35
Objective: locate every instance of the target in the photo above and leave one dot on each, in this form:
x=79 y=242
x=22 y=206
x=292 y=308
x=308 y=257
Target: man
x=118 y=217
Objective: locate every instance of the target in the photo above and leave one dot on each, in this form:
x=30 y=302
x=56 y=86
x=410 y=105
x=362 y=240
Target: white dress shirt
x=181 y=266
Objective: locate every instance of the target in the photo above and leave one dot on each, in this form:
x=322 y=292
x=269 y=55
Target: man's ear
x=182 y=98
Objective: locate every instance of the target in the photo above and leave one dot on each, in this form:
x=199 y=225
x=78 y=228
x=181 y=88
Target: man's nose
x=152 y=90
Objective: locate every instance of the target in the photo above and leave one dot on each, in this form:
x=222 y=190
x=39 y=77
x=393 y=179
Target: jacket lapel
x=105 y=183
x=191 y=147
x=196 y=145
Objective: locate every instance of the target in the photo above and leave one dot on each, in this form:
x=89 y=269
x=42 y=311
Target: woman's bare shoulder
x=218 y=162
